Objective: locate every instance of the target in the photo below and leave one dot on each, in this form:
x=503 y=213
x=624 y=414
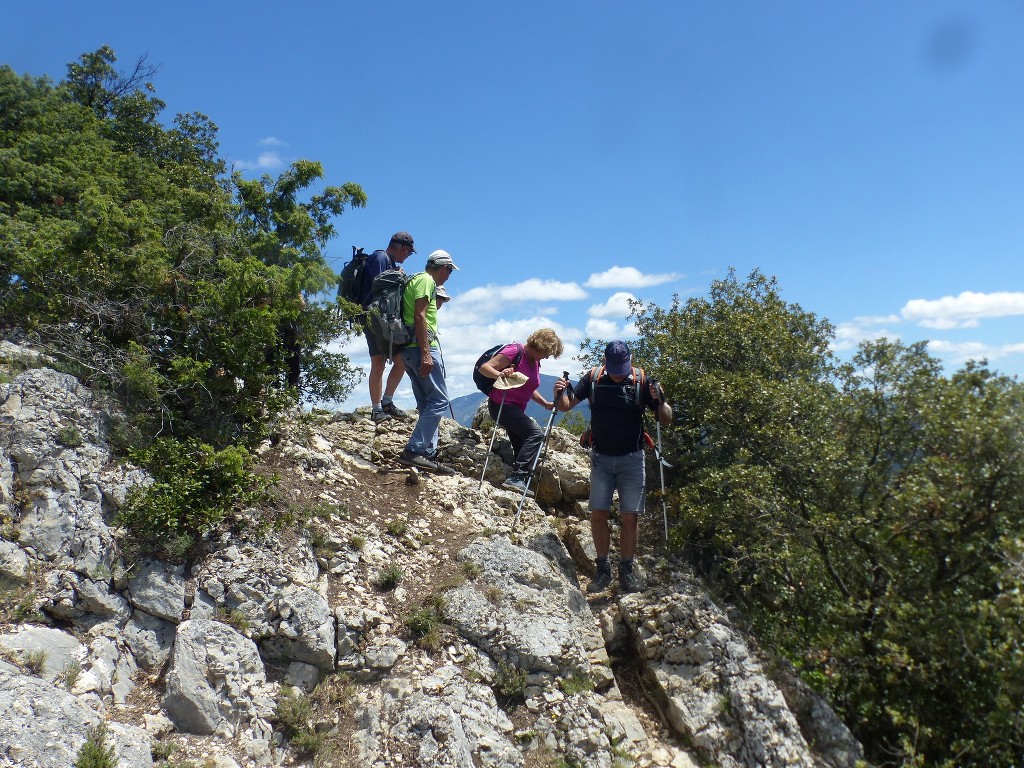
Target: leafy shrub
x=510 y=682
x=294 y=714
x=70 y=436
x=195 y=488
x=389 y=578
x=95 y=753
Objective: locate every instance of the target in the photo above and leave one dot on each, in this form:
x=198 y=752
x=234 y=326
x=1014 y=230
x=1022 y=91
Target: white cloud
x=267 y=161
x=963 y=311
x=628 y=277
x=960 y=352
x=272 y=141
x=850 y=334
x=617 y=305
x=533 y=289
x=598 y=328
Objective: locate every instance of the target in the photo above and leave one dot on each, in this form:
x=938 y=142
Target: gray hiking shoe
x=379 y=416
x=630 y=582
x=601 y=579
x=518 y=483
x=394 y=411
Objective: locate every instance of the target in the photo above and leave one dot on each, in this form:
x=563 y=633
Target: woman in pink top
x=523 y=431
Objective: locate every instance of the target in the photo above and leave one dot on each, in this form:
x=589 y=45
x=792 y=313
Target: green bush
x=195 y=489
x=295 y=716
x=95 y=753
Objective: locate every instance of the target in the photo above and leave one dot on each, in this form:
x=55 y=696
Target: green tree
x=123 y=249
x=866 y=517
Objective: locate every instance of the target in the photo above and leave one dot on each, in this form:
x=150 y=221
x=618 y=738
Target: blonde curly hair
x=546 y=342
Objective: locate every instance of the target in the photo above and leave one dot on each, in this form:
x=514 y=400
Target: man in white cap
x=423 y=363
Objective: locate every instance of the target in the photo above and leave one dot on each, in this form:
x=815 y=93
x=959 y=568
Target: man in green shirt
x=423 y=363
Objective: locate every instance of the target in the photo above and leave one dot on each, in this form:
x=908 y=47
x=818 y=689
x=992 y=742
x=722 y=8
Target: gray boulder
x=215 y=680
x=44 y=727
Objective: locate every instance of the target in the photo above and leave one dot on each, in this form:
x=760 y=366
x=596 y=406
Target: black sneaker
x=394 y=411
x=518 y=483
x=410 y=459
x=601 y=579
x=379 y=416
x=630 y=582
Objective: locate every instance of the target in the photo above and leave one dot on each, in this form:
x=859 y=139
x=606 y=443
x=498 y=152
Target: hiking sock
x=386 y=400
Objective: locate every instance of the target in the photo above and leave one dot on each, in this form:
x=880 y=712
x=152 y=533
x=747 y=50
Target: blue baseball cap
x=617 y=360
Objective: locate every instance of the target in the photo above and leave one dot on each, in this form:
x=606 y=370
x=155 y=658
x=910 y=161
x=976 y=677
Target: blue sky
x=570 y=153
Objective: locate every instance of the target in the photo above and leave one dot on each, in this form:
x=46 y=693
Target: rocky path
x=396 y=621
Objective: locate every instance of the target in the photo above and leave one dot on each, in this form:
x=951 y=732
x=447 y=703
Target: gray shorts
x=624 y=473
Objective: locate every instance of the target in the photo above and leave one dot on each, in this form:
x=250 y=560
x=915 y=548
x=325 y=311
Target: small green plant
x=35 y=662
x=472 y=569
x=335 y=692
x=396 y=527
x=510 y=682
x=425 y=624
x=70 y=436
x=94 y=752
x=295 y=716
x=17 y=605
x=162 y=750
x=389 y=578
x=234 y=617
x=577 y=682
x=493 y=594
x=357 y=542
x=69 y=675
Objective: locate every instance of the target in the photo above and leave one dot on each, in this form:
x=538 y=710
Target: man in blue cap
x=619 y=394
x=399 y=249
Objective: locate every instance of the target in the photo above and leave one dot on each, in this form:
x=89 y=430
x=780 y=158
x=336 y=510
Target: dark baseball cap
x=403 y=238
x=617 y=360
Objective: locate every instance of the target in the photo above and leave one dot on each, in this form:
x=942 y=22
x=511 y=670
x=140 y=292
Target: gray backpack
x=384 y=313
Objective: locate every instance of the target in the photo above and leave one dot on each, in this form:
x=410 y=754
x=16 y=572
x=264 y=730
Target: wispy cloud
x=961 y=352
x=266 y=161
x=495 y=297
x=963 y=311
x=628 y=277
x=599 y=328
x=850 y=334
x=272 y=141
x=616 y=306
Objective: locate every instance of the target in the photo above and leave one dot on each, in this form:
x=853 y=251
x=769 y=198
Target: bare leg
x=376 y=378
x=394 y=376
x=600 y=531
x=627 y=534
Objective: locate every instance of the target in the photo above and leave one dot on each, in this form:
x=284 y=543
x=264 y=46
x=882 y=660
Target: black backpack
x=484 y=383
x=350 y=284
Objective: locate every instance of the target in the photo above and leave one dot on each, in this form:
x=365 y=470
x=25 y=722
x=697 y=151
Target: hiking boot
x=518 y=483
x=379 y=416
x=601 y=579
x=418 y=460
x=394 y=411
x=630 y=582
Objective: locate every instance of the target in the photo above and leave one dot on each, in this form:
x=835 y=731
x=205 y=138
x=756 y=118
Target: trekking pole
x=490 y=447
x=444 y=374
x=661 y=471
x=529 y=481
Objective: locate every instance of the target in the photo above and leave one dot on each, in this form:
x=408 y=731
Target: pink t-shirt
x=520 y=395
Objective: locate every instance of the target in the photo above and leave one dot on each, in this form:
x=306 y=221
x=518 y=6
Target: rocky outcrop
x=521 y=672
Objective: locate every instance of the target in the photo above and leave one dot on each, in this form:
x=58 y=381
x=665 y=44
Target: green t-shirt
x=421 y=286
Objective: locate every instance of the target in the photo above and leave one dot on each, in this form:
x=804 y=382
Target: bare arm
x=423 y=335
